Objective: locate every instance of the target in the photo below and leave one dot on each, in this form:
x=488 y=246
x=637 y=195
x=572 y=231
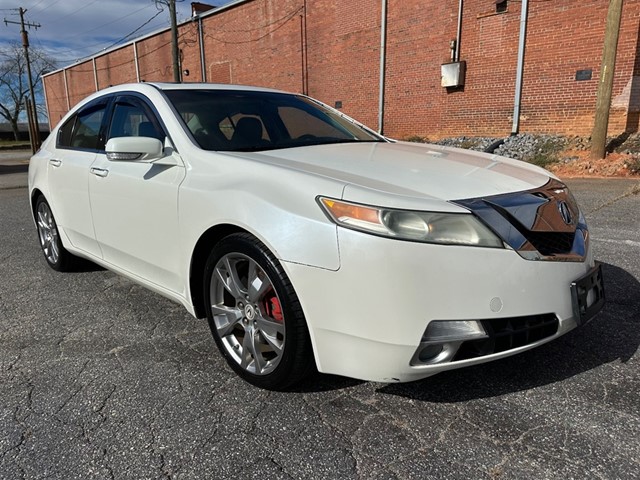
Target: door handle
x=55 y=162
x=99 y=172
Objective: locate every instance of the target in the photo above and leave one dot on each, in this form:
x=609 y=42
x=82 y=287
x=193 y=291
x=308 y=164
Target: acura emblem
x=565 y=212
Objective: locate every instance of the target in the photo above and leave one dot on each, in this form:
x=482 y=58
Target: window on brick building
x=501 y=6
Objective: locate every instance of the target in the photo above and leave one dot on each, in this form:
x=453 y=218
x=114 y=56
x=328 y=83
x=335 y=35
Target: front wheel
x=255 y=315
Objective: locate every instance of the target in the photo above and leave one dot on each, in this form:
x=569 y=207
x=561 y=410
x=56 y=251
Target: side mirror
x=137 y=149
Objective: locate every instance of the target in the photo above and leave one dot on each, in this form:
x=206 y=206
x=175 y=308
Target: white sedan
x=306 y=239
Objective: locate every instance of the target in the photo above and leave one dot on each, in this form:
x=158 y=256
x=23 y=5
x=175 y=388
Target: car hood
x=414 y=172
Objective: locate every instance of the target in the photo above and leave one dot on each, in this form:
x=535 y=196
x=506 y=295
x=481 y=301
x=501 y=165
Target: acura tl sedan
x=307 y=240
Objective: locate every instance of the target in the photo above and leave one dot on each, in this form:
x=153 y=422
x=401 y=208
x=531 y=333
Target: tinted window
x=130 y=119
x=82 y=130
x=86 y=131
x=230 y=120
x=299 y=122
x=64 y=134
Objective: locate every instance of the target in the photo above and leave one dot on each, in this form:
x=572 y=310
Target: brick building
x=332 y=51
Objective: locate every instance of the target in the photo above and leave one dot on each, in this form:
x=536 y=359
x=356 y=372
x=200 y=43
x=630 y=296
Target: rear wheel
x=54 y=252
x=254 y=314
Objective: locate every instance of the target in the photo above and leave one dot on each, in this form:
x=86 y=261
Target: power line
x=64 y=51
x=284 y=20
x=116 y=42
x=111 y=22
x=34 y=6
x=137 y=29
x=56 y=20
x=112 y=66
x=49 y=5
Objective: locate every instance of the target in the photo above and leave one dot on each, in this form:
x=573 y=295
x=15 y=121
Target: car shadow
x=82 y=265
x=322 y=382
x=155 y=169
x=614 y=335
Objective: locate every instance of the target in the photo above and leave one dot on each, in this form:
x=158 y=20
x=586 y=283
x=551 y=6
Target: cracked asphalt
x=100 y=378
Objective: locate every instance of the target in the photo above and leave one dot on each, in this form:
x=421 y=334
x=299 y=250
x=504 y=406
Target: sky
x=72 y=29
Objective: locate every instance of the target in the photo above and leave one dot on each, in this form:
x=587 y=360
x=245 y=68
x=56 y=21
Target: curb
x=26 y=147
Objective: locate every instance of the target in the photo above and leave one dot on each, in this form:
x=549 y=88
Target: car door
x=78 y=142
x=135 y=204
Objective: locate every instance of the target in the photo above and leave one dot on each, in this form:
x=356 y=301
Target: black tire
x=55 y=254
x=260 y=329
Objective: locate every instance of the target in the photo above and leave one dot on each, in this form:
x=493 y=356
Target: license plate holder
x=587 y=295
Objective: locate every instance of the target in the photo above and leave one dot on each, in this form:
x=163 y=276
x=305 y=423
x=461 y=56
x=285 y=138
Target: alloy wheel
x=48 y=233
x=247 y=313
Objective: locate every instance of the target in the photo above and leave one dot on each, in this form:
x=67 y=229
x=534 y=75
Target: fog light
x=430 y=352
x=443 y=338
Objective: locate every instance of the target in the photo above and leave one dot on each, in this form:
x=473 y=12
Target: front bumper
x=367 y=319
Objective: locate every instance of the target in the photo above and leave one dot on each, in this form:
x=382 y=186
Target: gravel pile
x=470 y=143
x=542 y=147
x=523 y=147
x=629 y=144
x=527 y=146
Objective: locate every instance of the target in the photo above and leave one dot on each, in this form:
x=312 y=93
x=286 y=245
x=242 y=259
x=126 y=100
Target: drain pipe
x=524 y=14
x=203 y=66
x=456 y=54
x=383 y=66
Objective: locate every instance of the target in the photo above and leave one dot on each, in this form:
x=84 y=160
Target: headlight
x=429 y=227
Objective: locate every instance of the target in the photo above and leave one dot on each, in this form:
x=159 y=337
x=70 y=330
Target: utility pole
x=605 y=85
x=174 y=42
x=33 y=112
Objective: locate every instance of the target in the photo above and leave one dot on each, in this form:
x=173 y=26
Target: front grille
x=551 y=243
x=508 y=333
x=540 y=224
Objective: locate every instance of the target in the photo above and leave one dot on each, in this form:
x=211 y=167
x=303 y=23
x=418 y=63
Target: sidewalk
x=13 y=168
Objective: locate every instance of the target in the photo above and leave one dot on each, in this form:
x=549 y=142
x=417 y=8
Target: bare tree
x=14 y=86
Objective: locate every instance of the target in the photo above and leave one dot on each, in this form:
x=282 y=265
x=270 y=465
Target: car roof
x=146 y=87
x=211 y=86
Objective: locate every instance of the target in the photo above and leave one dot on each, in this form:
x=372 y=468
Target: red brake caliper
x=274 y=309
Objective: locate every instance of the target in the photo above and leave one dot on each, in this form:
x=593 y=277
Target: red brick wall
x=189 y=45
x=154 y=58
x=115 y=68
x=262 y=42
x=562 y=37
x=80 y=81
x=344 y=55
x=257 y=43
x=55 y=97
x=417 y=43
x=565 y=37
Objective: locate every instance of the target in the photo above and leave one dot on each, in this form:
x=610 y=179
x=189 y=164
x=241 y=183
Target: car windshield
x=231 y=120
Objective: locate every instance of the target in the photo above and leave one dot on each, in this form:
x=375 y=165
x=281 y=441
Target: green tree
x=14 y=85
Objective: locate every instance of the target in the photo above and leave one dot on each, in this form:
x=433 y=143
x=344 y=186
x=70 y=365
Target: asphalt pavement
x=100 y=378
x=13 y=168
